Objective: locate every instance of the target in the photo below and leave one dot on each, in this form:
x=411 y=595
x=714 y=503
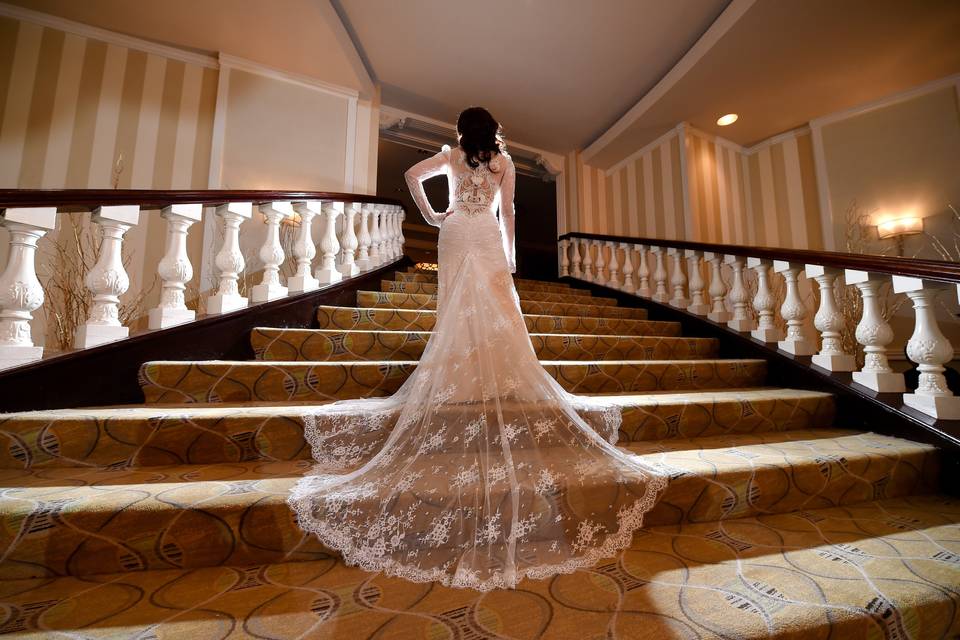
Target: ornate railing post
x=175 y=269
x=678 y=280
x=575 y=269
x=363 y=239
x=108 y=279
x=739 y=296
x=385 y=255
x=613 y=266
x=403 y=241
x=20 y=290
x=395 y=235
x=643 y=272
x=829 y=322
x=229 y=259
x=874 y=333
x=375 y=258
x=660 y=276
x=764 y=303
x=564 y=260
x=930 y=349
x=304 y=251
x=698 y=305
x=271 y=253
x=599 y=264
x=587 y=261
x=794 y=311
x=329 y=245
x=718 y=288
x=348 y=240
x=628 y=284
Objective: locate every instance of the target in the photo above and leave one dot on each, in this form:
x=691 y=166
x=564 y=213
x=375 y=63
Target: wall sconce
x=898 y=228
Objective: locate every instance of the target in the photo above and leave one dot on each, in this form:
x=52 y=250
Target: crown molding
x=228 y=61
x=674 y=131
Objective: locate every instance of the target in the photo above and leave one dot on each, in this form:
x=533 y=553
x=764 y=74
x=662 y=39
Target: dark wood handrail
x=938 y=270
x=86 y=199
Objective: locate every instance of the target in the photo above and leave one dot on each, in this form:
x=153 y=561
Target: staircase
x=169 y=519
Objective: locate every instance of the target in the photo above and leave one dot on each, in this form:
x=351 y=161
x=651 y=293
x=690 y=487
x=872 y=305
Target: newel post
x=678 y=280
x=175 y=269
x=874 y=333
x=764 y=303
x=271 y=253
x=229 y=259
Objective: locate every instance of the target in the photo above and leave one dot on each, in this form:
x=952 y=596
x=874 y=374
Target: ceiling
x=783 y=63
x=557 y=73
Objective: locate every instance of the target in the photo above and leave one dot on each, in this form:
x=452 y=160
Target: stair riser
x=381 y=300
x=327 y=346
x=122 y=440
x=237 y=521
x=184 y=382
x=424 y=288
x=349 y=318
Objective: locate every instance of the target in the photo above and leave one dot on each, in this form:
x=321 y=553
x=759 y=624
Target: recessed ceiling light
x=730 y=118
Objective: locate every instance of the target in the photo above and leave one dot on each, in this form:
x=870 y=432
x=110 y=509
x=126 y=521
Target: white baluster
x=764 y=303
x=304 y=251
x=600 y=264
x=660 y=276
x=628 y=284
x=385 y=256
x=363 y=239
x=229 y=259
x=329 y=245
x=794 y=311
x=575 y=269
x=375 y=258
x=107 y=280
x=718 y=288
x=348 y=241
x=393 y=232
x=829 y=322
x=678 y=280
x=643 y=272
x=271 y=253
x=564 y=260
x=20 y=290
x=402 y=240
x=930 y=349
x=613 y=266
x=175 y=269
x=587 y=261
x=874 y=333
x=739 y=296
x=698 y=305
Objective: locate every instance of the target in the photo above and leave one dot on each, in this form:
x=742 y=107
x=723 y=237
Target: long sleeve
x=507 y=214
x=415 y=176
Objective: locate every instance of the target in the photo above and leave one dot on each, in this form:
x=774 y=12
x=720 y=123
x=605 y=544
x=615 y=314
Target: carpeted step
x=351 y=318
x=884 y=569
x=391 y=286
x=520 y=283
x=242 y=381
x=382 y=300
x=333 y=345
x=88 y=521
x=152 y=435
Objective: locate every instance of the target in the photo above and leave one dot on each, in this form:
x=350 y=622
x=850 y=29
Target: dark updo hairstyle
x=481 y=136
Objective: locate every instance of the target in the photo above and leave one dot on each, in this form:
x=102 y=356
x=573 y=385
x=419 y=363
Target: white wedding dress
x=480 y=470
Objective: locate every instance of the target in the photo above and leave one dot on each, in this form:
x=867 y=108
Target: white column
x=874 y=333
x=385 y=256
x=575 y=270
x=930 y=349
x=348 y=241
x=600 y=264
x=718 y=288
x=739 y=296
x=175 y=269
x=587 y=260
x=229 y=259
x=329 y=246
x=400 y=238
x=829 y=322
x=107 y=280
x=628 y=284
x=698 y=304
x=660 y=276
x=394 y=231
x=764 y=303
x=678 y=281
x=304 y=250
x=643 y=272
x=375 y=258
x=20 y=290
x=271 y=253
x=363 y=239
x=613 y=266
x=794 y=312
x=564 y=260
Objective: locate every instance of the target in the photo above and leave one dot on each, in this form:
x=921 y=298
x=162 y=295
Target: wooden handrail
x=86 y=199
x=937 y=270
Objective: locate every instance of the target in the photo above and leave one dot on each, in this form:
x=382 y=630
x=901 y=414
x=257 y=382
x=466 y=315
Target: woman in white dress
x=480 y=470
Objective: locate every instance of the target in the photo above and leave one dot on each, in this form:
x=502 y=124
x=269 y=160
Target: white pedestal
x=939 y=407
x=328 y=276
x=835 y=362
x=267 y=292
x=769 y=334
x=680 y=303
x=14 y=356
x=163 y=317
x=220 y=304
x=699 y=309
x=661 y=297
x=91 y=335
x=302 y=284
x=349 y=270
x=884 y=382
x=798 y=347
x=742 y=324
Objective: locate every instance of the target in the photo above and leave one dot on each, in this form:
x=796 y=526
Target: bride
x=480 y=470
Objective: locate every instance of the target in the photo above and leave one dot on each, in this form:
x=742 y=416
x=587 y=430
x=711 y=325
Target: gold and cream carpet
x=168 y=520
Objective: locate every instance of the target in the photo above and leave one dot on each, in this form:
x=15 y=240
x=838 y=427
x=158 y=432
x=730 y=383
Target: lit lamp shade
x=899 y=227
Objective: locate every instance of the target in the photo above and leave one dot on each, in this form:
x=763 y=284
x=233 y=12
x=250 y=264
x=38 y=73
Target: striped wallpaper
x=80 y=113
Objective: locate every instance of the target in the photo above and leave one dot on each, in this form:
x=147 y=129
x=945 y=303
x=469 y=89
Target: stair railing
x=729 y=303
x=352 y=242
